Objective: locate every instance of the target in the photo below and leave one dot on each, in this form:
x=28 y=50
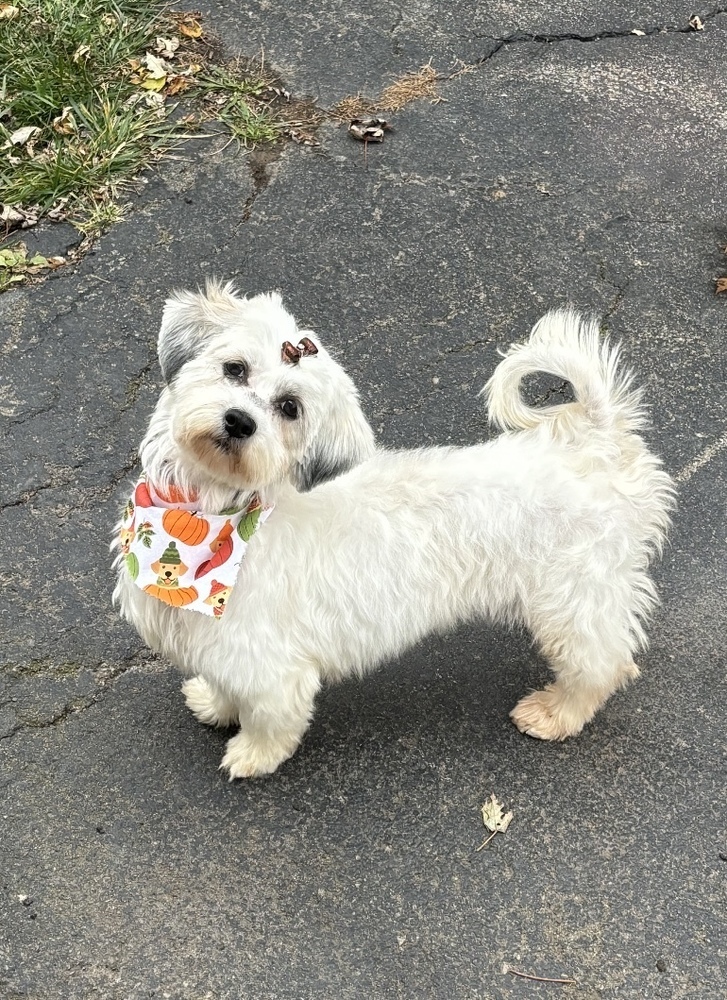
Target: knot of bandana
x=183 y=557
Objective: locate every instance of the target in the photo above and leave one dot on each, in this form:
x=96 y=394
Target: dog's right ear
x=188 y=322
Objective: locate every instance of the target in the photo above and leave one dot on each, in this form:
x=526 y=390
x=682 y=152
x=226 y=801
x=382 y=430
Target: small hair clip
x=290 y=355
x=307 y=348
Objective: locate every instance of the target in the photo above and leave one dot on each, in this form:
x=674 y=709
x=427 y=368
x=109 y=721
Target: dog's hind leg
x=272 y=725
x=590 y=649
x=208 y=704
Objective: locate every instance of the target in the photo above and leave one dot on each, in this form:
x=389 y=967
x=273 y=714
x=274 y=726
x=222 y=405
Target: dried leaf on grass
x=166 y=47
x=65 y=123
x=19 y=217
x=495 y=820
x=21 y=135
x=8 y=11
x=177 y=84
x=190 y=27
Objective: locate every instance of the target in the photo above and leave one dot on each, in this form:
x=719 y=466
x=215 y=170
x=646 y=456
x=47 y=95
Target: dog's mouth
x=227 y=445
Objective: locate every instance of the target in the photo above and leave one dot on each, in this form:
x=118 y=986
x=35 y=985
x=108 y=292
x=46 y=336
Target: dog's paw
x=207 y=705
x=246 y=757
x=546 y=715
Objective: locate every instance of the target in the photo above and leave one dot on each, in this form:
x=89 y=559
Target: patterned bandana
x=181 y=557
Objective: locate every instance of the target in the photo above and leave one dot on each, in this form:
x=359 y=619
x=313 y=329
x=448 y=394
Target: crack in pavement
x=76 y=705
x=545 y=38
x=51 y=485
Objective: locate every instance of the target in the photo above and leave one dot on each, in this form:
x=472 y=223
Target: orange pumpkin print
x=176 y=596
x=188 y=527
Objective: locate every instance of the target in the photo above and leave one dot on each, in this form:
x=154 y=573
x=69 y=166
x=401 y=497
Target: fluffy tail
x=568 y=346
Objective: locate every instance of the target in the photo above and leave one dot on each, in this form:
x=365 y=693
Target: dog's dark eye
x=235 y=369
x=289 y=409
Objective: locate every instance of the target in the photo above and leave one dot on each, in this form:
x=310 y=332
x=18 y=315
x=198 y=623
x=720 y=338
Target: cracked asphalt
x=571 y=160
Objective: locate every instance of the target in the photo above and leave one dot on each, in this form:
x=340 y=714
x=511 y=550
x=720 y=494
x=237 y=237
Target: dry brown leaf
x=65 y=123
x=8 y=11
x=720 y=285
x=190 y=27
x=369 y=129
x=58 y=211
x=176 y=85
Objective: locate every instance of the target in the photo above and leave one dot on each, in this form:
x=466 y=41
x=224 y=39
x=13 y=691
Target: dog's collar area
x=180 y=556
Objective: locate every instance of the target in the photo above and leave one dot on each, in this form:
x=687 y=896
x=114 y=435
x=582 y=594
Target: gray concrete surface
x=587 y=168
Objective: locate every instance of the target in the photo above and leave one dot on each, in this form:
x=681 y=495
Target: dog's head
x=252 y=398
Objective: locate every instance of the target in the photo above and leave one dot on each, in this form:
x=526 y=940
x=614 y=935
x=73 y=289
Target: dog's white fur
x=552 y=524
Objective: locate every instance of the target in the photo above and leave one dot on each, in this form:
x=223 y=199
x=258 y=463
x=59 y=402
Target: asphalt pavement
x=574 y=157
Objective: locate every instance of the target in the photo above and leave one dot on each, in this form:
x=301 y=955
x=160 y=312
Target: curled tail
x=566 y=345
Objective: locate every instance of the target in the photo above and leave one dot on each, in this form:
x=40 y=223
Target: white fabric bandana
x=182 y=557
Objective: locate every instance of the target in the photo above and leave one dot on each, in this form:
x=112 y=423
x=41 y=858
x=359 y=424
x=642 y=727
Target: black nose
x=239 y=424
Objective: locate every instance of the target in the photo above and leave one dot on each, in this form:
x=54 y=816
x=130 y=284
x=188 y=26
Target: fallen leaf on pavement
x=369 y=129
x=494 y=819
x=721 y=285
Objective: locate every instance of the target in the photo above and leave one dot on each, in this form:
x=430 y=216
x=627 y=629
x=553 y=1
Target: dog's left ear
x=344 y=440
x=189 y=320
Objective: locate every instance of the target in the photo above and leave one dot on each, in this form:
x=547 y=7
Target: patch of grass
x=66 y=75
x=101 y=217
x=234 y=99
x=87 y=94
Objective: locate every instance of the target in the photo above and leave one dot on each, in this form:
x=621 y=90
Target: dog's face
x=246 y=403
x=168 y=573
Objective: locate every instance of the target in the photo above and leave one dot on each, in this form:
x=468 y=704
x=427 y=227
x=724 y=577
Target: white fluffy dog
x=552 y=524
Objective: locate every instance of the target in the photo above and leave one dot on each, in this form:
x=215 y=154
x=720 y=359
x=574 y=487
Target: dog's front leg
x=272 y=725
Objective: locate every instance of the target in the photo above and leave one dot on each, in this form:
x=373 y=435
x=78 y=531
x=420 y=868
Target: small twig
x=538 y=979
x=486 y=841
